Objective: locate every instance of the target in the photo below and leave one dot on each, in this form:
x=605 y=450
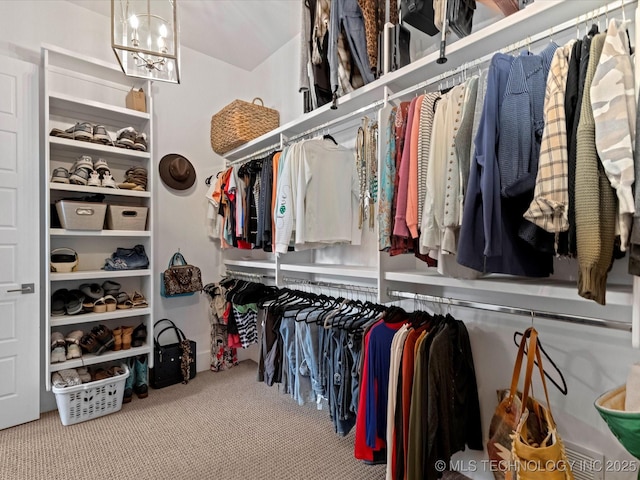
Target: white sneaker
x=94 y=179
x=108 y=181
x=73 y=351
x=58 y=355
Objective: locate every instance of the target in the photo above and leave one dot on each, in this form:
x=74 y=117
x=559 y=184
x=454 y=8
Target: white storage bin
x=90 y=400
x=81 y=215
x=126 y=218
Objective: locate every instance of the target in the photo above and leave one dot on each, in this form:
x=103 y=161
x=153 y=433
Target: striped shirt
x=246 y=317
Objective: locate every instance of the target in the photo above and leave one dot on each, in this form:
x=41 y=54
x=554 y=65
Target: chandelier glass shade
x=144 y=37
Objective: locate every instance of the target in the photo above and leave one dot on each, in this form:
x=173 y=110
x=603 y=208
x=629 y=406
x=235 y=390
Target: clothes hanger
x=395 y=315
x=324 y=304
x=363 y=320
x=327 y=136
x=563 y=389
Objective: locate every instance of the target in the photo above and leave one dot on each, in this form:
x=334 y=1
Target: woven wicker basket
x=240 y=122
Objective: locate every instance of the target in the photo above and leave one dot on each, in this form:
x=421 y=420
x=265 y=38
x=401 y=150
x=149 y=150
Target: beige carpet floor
x=220 y=426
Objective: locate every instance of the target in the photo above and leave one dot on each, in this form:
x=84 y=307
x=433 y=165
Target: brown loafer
x=90 y=344
x=103 y=335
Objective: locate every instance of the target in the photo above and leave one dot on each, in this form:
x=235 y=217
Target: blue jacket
x=489 y=239
x=522 y=122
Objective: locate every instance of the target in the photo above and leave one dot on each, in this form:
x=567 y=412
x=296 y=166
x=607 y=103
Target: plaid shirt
x=549 y=206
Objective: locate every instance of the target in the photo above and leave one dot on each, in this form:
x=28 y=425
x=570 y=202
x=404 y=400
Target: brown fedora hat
x=177 y=172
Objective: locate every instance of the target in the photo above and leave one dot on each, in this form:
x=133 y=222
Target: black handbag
x=419 y=14
x=170 y=364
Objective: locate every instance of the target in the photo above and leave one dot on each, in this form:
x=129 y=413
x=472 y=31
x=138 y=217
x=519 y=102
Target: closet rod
x=255 y=276
x=563 y=317
x=297 y=136
x=360 y=111
x=256 y=154
x=338 y=286
x=550 y=32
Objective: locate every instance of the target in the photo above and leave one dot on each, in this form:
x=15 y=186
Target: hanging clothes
x=263 y=234
x=614 y=111
x=400 y=227
x=386 y=122
x=548 y=209
x=444 y=198
x=374 y=14
x=419 y=400
x=347 y=15
x=223 y=356
x=427 y=111
x=305 y=212
x=489 y=236
x=572 y=103
x=595 y=200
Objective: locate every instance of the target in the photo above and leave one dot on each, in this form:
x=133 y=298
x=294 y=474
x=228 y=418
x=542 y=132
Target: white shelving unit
x=80 y=89
x=404 y=272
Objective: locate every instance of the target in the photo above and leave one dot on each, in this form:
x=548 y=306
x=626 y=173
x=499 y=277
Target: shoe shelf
x=88 y=110
x=79 y=89
x=98 y=274
x=78 y=147
x=108 y=356
x=70 y=187
x=61 y=232
x=62 y=320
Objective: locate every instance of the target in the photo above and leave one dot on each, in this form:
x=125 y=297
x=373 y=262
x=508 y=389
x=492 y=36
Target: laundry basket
x=90 y=400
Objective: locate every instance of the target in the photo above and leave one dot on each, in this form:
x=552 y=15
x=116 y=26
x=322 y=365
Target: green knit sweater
x=595 y=200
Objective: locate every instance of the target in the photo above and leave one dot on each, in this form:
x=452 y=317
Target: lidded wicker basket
x=239 y=122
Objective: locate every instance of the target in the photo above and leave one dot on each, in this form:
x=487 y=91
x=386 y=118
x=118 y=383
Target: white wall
x=276 y=81
x=183 y=114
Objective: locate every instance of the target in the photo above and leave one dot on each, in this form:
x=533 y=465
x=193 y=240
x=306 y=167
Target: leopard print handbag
x=180 y=278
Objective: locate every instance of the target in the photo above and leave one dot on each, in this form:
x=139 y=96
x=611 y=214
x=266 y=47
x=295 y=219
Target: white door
x=19 y=244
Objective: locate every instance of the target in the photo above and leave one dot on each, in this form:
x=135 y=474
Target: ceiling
x=243 y=33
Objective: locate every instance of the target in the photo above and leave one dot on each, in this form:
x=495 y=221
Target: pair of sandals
x=137 y=300
x=95 y=298
x=99 y=299
x=66 y=302
x=108 y=303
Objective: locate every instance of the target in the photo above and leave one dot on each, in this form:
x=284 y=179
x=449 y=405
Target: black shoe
x=139 y=336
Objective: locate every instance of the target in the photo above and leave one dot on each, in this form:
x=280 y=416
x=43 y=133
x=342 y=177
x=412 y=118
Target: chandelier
x=144 y=37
